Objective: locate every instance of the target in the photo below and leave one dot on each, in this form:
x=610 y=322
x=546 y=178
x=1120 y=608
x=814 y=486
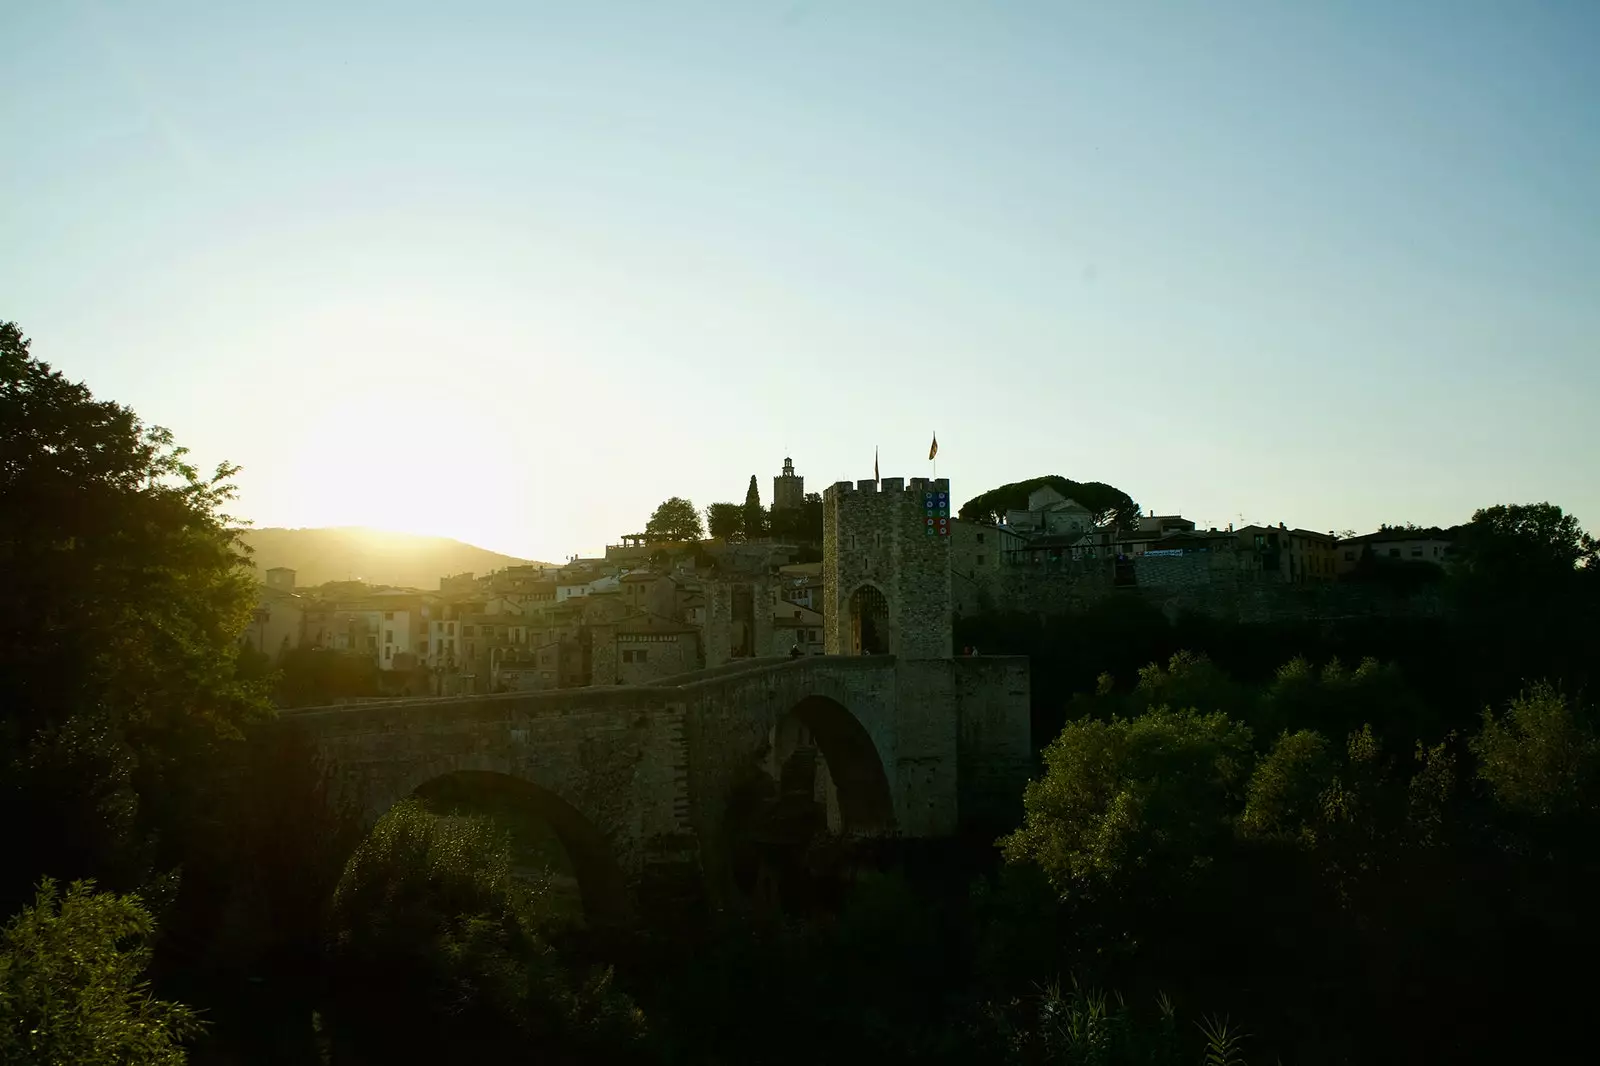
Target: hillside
x=372 y=555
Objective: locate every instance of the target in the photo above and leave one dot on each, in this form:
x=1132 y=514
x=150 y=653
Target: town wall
x=1200 y=583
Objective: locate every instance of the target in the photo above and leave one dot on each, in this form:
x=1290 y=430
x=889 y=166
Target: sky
x=517 y=272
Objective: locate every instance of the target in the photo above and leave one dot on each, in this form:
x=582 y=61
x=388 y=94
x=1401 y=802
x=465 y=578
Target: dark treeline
x=1309 y=844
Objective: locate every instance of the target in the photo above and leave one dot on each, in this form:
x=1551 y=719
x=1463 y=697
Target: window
x=1416 y=553
x=980 y=538
x=978 y=560
x=388 y=616
x=450 y=627
x=388 y=652
x=388 y=636
x=439 y=648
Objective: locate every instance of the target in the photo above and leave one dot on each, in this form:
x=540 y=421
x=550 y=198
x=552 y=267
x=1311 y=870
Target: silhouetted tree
x=725 y=521
x=123 y=592
x=675 y=519
x=755 y=517
x=1108 y=503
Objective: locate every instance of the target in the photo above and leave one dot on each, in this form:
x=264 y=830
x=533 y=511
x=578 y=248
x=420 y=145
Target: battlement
x=885 y=486
x=886 y=567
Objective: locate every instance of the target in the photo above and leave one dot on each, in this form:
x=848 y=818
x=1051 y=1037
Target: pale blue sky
x=516 y=272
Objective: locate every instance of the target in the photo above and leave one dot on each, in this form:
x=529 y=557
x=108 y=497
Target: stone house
x=801 y=583
x=644 y=590
x=642 y=648
x=1295 y=556
x=1049 y=512
x=793 y=625
x=1432 y=546
x=278 y=622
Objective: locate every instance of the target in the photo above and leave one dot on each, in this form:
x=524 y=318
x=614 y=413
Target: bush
x=72 y=988
x=439 y=949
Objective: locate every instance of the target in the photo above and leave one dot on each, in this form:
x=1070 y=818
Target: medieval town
x=665 y=601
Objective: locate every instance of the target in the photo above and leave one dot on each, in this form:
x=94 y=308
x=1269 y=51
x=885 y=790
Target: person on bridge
x=796 y=651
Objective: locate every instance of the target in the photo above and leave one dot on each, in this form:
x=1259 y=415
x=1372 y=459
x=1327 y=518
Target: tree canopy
x=1106 y=502
x=72 y=985
x=675 y=519
x=725 y=521
x=123 y=591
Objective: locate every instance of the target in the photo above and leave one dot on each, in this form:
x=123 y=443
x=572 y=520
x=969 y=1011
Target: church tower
x=788 y=489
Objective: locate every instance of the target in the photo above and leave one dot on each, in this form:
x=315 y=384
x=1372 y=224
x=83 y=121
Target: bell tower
x=788 y=489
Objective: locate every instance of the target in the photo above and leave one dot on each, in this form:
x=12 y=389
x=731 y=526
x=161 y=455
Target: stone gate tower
x=886 y=568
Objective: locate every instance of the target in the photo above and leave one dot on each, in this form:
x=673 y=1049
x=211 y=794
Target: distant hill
x=371 y=555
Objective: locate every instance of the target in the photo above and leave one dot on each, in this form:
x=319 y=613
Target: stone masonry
x=637 y=780
x=878 y=537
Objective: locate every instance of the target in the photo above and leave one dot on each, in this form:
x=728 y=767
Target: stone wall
x=638 y=780
x=1200 y=584
x=665 y=654
x=878 y=538
x=994 y=742
x=602 y=765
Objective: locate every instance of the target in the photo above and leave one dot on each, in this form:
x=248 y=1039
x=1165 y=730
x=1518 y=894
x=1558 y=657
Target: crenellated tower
x=886 y=568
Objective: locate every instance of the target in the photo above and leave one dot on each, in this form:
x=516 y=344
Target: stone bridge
x=638 y=781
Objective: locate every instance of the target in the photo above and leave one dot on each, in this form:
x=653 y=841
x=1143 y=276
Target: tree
x=123 y=591
x=439 y=951
x=1538 y=758
x=72 y=985
x=1524 y=542
x=675 y=519
x=1107 y=503
x=1132 y=798
x=755 y=517
x=1287 y=786
x=725 y=521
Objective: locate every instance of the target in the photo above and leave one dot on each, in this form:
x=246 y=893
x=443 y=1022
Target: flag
x=875 y=478
x=933 y=450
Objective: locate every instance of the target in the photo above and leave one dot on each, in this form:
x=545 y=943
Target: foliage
x=676 y=519
x=72 y=988
x=1287 y=786
x=725 y=521
x=801 y=525
x=1524 y=542
x=1538 y=758
x=755 y=519
x=438 y=945
x=1131 y=800
x=317 y=677
x=1107 y=503
x=123 y=591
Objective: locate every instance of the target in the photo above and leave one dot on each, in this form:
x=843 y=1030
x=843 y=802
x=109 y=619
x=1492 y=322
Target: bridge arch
x=602 y=885
x=854 y=763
